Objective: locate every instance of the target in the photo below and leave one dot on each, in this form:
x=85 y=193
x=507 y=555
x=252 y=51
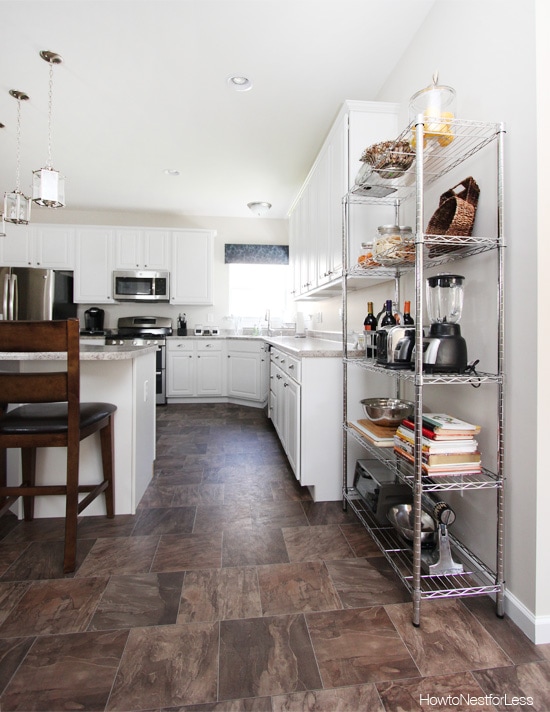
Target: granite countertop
x=87 y=353
x=308 y=347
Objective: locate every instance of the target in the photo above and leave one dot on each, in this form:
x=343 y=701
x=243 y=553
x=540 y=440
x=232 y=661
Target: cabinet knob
x=291 y=365
x=285 y=384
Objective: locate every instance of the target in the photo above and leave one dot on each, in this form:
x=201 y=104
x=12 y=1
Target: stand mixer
x=444 y=349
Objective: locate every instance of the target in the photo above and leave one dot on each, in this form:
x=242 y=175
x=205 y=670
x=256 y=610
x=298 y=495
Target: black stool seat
x=42 y=418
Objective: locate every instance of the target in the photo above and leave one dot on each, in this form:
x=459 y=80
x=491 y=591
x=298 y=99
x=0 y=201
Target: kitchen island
x=123 y=375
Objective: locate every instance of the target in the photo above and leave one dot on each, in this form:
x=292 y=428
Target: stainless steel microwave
x=141 y=286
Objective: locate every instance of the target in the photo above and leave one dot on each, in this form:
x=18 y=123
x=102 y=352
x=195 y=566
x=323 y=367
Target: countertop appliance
x=444 y=349
x=395 y=345
x=30 y=293
x=143 y=331
x=94 y=320
x=379 y=488
x=141 y=286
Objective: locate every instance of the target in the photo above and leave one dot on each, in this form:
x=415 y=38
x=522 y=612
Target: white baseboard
x=536 y=628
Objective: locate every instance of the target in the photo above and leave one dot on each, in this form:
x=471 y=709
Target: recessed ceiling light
x=171 y=171
x=238 y=82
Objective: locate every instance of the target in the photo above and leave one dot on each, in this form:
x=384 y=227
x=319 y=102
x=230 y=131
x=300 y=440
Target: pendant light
x=17 y=207
x=48 y=185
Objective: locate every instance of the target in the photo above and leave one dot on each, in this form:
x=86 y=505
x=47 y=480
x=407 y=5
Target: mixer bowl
x=387 y=412
x=401 y=517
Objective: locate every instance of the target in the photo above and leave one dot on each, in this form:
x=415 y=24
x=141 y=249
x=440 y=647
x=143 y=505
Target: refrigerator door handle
x=5 y=296
x=14 y=301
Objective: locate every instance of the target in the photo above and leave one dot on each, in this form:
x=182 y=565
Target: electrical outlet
x=319 y=317
x=210 y=318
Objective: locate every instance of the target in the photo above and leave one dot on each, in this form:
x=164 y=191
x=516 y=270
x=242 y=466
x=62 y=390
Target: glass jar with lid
x=394 y=244
x=366 y=255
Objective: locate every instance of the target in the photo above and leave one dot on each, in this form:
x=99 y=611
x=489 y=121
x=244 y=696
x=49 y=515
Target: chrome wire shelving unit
x=430 y=161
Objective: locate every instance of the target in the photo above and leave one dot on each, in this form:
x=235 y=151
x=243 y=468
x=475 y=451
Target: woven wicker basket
x=455 y=215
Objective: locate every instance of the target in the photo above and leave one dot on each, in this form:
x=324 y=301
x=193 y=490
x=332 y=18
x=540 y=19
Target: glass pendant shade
x=48 y=185
x=48 y=188
x=17 y=208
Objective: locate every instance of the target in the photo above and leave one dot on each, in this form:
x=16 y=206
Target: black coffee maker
x=94 y=318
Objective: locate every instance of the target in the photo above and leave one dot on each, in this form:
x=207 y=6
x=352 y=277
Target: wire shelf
x=467 y=138
x=430 y=483
x=475 y=580
x=369 y=364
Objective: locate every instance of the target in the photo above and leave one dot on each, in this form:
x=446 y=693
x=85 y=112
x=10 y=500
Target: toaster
x=379 y=488
x=395 y=345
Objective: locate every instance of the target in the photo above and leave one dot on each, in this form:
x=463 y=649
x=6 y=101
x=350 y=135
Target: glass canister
x=366 y=256
x=437 y=104
x=394 y=244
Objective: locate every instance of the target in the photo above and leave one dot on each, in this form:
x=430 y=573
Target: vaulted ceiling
x=143 y=88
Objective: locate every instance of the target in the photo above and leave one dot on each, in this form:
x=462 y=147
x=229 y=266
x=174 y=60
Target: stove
x=146 y=331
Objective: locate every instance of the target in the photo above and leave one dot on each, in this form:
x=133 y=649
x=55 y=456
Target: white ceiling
x=142 y=88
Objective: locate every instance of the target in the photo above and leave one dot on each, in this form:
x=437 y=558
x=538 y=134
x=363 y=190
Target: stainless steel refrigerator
x=30 y=293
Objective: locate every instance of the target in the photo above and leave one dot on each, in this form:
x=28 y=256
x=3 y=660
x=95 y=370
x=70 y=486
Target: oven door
x=160 y=375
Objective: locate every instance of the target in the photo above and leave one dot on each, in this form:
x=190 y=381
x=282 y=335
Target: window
x=255 y=289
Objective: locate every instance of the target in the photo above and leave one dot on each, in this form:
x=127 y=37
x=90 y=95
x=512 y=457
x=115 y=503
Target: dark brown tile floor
x=230 y=590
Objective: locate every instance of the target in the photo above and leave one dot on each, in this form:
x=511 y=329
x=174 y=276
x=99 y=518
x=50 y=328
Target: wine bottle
x=407 y=318
x=370 y=323
x=388 y=319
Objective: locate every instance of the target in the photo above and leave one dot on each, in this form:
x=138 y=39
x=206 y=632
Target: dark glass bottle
x=407 y=318
x=370 y=323
x=388 y=319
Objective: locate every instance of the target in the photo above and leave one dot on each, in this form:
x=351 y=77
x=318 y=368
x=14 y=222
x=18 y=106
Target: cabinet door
x=191 y=270
x=291 y=423
x=128 y=249
x=322 y=225
x=15 y=248
x=93 y=265
x=209 y=373
x=156 y=249
x=276 y=400
x=338 y=188
x=243 y=375
x=180 y=374
x=53 y=246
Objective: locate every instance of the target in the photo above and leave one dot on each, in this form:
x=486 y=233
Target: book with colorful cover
x=436 y=458
x=440 y=426
x=464 y=468
x=438 y=446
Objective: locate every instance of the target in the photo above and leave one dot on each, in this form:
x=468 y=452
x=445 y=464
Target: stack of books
x=448 y=445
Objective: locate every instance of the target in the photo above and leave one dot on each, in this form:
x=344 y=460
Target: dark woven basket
x=455 y=215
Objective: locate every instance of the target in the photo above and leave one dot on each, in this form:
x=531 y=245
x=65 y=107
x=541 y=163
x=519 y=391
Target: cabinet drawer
x=209 y=345
x=180 y=345
x=245 y=346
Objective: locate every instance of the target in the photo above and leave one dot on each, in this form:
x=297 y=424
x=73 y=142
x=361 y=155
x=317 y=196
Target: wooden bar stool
x=51 y=416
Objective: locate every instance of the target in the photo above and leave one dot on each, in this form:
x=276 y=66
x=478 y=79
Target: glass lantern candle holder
x=437 y=106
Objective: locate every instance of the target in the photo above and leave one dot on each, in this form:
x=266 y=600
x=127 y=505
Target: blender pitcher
x=444 y=349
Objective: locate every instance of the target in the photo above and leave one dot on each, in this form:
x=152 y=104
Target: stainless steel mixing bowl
x=401 y=517
x=387 y=412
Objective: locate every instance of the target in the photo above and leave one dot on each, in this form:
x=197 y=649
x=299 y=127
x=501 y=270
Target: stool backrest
x=59 y=336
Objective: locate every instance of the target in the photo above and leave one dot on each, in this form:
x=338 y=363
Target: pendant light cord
x=50 y=103
x=18 y=153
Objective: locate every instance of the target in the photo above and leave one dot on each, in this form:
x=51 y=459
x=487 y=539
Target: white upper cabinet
x=94 y=265
x=316 y=216
x=192 y=267
x=139 y=248
x=46 y=246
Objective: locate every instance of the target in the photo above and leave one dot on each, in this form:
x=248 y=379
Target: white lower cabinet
x=247 y=370
x=304 y=402
x=194 y=368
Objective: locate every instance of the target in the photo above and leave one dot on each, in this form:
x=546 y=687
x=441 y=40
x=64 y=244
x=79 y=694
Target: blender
x=444 y=349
